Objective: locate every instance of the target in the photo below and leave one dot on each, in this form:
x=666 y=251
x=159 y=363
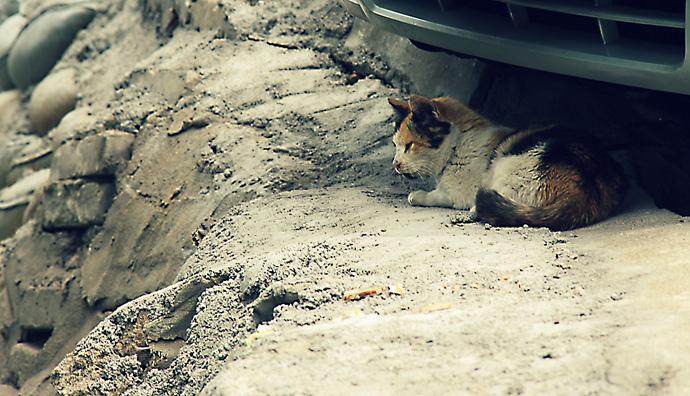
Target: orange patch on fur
x=401 y=106
x=558 y=181
x=562 y=183
x=405 y=135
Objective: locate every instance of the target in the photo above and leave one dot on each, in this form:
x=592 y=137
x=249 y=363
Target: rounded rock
x=34 y=156
x=15 y=199
x=43 y=41
x=10 y=104
x=10 y=147
x=8 y=8
x=9 y=30
x=54 y=97
x=72 y=124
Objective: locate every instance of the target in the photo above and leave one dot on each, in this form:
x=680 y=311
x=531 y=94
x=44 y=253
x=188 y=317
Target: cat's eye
x=408 y=146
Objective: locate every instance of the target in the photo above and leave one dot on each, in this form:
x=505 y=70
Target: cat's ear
x=445 y=110
x=427 y=122
x=403 y=108
x=424 y=112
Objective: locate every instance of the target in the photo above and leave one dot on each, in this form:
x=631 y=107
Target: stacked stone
x=57 y=179
x=33 y=37
x=40 y=310
x=82 y=180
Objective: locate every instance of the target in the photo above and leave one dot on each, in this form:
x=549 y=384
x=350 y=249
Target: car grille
x=641 y=43
x=650 y=31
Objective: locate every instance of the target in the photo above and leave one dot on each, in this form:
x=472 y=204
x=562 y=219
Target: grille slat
x=446 y=5
x=518 y=14
x=608 y=30
x=610 y=12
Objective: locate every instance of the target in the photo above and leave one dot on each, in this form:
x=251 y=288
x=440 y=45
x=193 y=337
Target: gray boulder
x=42 y=43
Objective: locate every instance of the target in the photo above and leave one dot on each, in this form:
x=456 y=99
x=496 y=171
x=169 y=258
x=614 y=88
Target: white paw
x=417 y=198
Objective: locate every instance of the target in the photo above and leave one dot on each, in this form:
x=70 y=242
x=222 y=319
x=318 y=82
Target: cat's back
x=555 y=177
x=555 y=145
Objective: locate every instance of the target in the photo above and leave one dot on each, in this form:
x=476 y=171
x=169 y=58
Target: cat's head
x=419 y=132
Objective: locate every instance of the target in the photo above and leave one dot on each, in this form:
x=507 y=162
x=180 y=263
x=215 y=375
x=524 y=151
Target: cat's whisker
x=428 y=168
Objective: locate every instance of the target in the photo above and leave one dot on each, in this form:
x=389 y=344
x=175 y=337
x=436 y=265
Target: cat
x=548 y=176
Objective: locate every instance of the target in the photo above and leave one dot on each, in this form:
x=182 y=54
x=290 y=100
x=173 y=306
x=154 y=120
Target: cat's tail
x=501 y=211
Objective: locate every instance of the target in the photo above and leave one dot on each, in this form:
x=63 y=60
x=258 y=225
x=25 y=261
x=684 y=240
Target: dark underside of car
x=640 y=43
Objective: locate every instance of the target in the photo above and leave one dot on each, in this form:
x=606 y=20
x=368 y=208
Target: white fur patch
x=516 y=176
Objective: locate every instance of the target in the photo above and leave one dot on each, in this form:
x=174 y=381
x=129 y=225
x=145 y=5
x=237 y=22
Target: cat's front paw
x=417 y=198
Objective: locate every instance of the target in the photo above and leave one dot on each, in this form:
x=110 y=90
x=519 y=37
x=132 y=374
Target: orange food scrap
x=396 y=289
x=261 y=331
x=350 y=313
x=352 y=295
x=434 y=307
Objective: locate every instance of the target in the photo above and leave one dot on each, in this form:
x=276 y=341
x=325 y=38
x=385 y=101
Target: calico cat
x=543 y=177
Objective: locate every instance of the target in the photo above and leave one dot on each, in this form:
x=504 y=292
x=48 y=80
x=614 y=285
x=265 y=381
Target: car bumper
x=624 y=45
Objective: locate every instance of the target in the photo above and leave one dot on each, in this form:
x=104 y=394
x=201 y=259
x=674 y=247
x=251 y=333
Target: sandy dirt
x=483 y=310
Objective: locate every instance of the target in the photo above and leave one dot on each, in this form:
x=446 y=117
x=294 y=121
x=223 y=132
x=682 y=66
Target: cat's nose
x=397 y=164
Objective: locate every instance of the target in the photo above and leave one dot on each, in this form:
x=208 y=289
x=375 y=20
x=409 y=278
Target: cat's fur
x=544 y=177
